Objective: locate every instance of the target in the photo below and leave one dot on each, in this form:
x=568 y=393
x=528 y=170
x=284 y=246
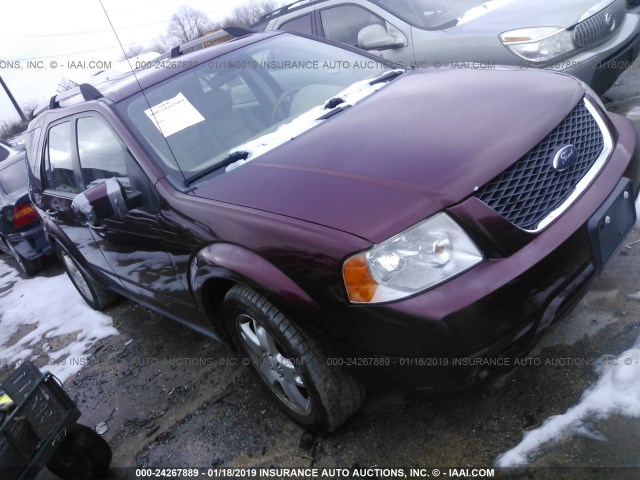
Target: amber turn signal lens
x=361 y=288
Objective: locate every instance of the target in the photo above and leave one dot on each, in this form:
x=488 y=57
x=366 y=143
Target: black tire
x=82 y=454
x=28 y=267
x=317 y=396
x=97 y=297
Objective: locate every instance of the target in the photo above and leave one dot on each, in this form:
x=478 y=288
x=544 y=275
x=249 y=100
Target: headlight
x=421 y=257
x=538 y=45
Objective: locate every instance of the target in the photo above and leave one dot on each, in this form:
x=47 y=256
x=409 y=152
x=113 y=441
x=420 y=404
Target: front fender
x=224 y=261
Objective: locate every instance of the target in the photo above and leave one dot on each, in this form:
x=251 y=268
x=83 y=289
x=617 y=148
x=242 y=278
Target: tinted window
x=102 y=156
x=13 y=178
x=342 y=24
x=301 y=24
x=100 y=152
x=59 y=164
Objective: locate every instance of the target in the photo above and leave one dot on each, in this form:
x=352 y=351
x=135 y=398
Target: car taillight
x=24 y=214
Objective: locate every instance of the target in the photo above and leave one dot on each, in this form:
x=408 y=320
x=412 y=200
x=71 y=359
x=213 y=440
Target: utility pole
x=13 y=100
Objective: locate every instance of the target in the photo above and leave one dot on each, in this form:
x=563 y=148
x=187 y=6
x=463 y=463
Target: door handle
x=98 y=229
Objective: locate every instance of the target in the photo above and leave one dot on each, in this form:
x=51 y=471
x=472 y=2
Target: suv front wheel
x=290 y=365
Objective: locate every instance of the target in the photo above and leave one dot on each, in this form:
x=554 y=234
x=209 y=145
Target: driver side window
x=343 y=23
x=102 y=156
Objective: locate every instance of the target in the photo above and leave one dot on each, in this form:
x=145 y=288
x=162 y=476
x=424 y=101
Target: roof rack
x=88 y=92
x=289 y=8
x=177 y=51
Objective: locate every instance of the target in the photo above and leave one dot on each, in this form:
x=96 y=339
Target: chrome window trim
x=589 y=177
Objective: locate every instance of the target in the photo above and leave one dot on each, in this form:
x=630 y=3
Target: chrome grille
x=531 y=189
x=601 y=26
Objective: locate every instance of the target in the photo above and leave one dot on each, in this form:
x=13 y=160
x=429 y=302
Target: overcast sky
x=57 y=35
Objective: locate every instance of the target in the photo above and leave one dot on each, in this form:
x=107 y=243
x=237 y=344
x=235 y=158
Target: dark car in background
x=21 y=232
x=342 y=221
x=594 y=40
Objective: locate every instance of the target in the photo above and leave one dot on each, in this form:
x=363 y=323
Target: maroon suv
x=339 y=220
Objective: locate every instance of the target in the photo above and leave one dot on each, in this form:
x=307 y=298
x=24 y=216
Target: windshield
x=439 y=14
x=193 y=122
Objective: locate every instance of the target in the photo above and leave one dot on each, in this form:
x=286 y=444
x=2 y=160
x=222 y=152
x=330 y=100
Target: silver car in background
x=590 y=39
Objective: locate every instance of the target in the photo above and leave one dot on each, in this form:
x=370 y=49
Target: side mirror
x=105 y=200
x=376 y=37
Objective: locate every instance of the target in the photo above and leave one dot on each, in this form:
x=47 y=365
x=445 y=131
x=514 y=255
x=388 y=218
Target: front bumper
x=601 y=66
x=500 y=308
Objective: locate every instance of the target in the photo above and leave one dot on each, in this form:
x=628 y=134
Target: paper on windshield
x=174 y=115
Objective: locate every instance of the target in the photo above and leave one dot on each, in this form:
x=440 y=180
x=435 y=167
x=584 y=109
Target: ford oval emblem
x=565 y=157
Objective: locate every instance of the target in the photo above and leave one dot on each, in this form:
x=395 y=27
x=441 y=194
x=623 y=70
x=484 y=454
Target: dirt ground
x=172 y=398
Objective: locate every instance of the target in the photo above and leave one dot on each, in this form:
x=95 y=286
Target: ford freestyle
x=343 y=222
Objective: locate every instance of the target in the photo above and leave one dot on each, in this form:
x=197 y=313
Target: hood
x=415 y=147
x=504 y=15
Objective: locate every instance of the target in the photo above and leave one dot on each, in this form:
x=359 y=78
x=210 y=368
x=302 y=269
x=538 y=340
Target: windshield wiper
x=385 y=77
x=333 y=112
x=231 y=158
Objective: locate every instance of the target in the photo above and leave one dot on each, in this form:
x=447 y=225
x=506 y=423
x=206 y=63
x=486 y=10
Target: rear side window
x=58 y=162
x=13 y=178
x=301 y=24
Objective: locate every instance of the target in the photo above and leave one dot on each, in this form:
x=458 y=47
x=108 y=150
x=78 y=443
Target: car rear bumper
x=30 y=244
x=601 y=66
x=451 y=336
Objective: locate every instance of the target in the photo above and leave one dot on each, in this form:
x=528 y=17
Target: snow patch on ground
x=61 y=326
x=616 y=392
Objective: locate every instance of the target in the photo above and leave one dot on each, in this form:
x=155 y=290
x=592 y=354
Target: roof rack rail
x=178 y=50
x=288 y=8
x=88 y=92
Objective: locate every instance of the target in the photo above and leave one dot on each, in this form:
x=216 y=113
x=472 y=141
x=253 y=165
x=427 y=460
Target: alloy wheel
x=276 y=369
x=76 y=276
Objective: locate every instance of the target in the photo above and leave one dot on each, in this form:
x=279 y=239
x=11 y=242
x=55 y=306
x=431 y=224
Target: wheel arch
x=216 y=268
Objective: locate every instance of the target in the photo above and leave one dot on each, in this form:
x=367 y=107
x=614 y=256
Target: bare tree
x=11 y=128
x=66 y=84
x=187 y=24
x=136 y=50
x=162 y=44
x=249 y=13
